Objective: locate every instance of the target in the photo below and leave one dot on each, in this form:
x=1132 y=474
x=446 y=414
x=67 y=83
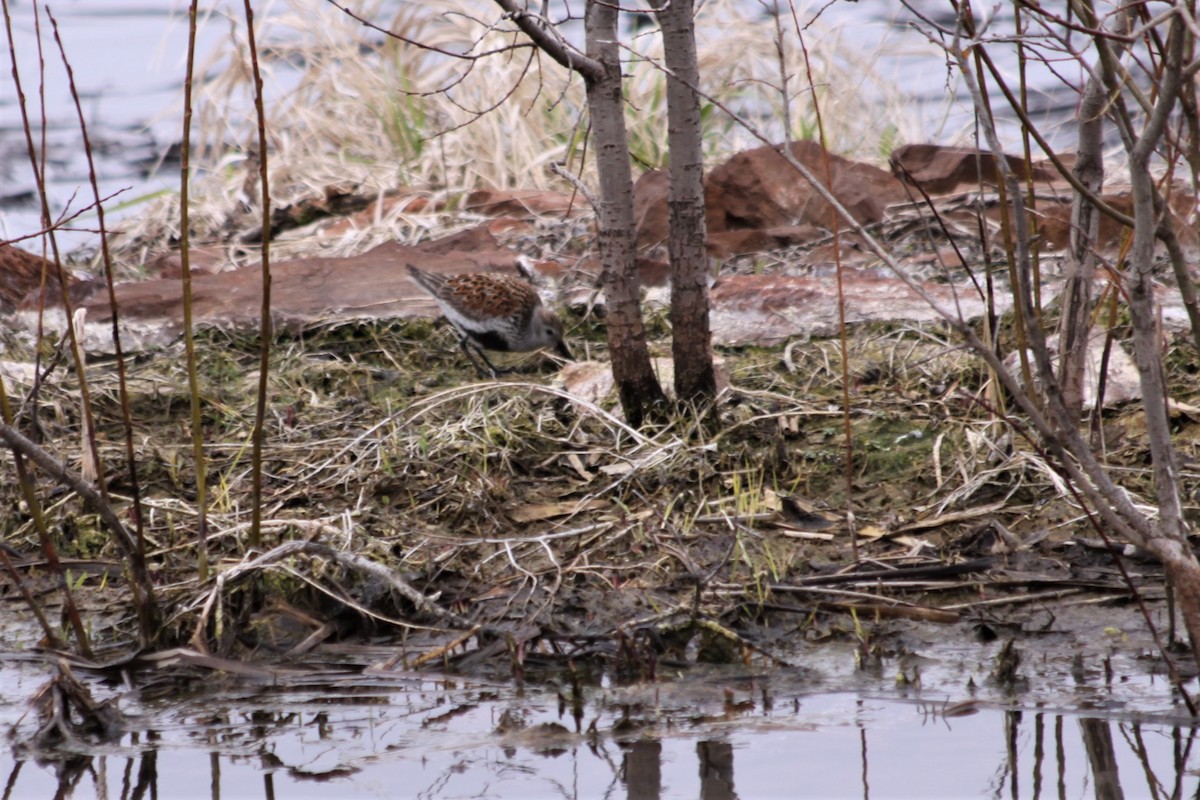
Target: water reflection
x=644 y=766
x=643 y=770
x=716 y=770
x=836 y=746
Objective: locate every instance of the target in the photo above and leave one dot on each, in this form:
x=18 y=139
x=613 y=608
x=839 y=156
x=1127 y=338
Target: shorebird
x=497 y=312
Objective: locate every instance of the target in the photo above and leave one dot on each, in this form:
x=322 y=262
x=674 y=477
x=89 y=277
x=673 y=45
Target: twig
x=561 y=171
x=73 y=481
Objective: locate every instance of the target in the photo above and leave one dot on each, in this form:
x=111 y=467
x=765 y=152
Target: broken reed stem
x=147 y=610
x=20 y=446
x=264 y=363
x=188 y=334
x=52 y=637
x=444 y=650
x=39 y=521
x=843 y=333
x=25 y=479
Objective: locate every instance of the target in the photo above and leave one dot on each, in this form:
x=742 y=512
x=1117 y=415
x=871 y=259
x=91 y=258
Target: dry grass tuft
x=506 y=506
x=350 y=108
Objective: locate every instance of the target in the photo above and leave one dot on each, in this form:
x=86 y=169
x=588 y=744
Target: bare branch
x=546 y=37
x=417 y=42
x=20 y=443
x=559 y=169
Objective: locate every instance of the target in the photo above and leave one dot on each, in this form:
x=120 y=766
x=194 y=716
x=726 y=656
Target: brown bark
x=600 y=68
x=637 y=384
x=695 y=380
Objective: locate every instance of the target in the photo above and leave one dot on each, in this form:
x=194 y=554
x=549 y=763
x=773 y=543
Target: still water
x=442 y=737
x=1089 y=717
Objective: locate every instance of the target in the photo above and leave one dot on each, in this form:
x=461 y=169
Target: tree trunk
x=695 y=381
x=637 y=384
x=1170 y=540
x=1075 y=324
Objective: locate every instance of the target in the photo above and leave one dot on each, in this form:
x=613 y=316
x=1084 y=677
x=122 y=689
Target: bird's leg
x=467 y=347
x=467 y=350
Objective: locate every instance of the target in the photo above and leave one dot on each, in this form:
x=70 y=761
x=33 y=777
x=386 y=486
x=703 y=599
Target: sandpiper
x=498 y=312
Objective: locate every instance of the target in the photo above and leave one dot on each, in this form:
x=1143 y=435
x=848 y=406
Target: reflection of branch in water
x=147 y=776
x=862 y=748
x=69 y=716
x=1182 y=752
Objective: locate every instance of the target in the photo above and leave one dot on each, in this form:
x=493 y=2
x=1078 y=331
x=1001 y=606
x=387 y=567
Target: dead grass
x=512 y=507
x=508 y=505
x=348 y=108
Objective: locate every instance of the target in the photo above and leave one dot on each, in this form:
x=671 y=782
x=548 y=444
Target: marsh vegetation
x=254 y=498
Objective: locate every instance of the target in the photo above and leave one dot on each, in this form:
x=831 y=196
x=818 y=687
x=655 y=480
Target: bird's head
x=548 y=331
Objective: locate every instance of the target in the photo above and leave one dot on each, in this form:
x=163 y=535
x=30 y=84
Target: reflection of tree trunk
x=691 y=335
x=1012 y=726
x=866 y=771
x=1182 y=749
x=643 y=770
x=1060 y=755
x=1039 y=752
x=147 y=777
x=637 y=385
x=1137 y=743
x=214 y=767
x=716 y=770
x=1097 y=740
